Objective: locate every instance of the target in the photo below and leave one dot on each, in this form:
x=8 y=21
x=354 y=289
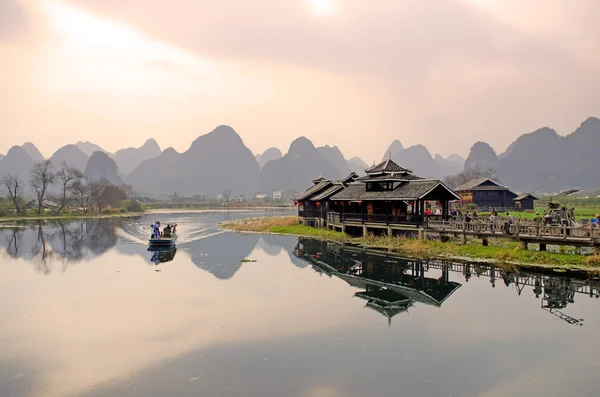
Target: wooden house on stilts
x=389 y=197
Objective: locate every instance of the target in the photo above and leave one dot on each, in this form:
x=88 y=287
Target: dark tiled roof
x=524 y=196
x=474 y=185
x=407 y=191
x=397 y=177
x=352 y=177
x=327 y=192
x=386 y=166
x=314 y=189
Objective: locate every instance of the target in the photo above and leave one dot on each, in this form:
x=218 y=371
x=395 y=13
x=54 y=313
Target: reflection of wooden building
x=390 y=287
x=388 y=195
x=486 y=193
x=524 y=201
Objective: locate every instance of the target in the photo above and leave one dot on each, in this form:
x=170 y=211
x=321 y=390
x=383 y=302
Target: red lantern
x=318 y=203
x=295 y=203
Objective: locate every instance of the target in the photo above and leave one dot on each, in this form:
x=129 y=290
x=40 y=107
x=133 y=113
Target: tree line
x=72 y=188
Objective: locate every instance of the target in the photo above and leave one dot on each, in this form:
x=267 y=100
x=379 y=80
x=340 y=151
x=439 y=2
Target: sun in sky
x=322 y=7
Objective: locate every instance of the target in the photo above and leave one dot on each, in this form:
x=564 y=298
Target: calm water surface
x=86 y=310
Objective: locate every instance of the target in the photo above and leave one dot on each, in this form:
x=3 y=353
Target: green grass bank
x=503 y=252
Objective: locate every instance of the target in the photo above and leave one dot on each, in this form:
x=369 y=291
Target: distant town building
x=261 y=195
x=486 y=193
x=277 y=195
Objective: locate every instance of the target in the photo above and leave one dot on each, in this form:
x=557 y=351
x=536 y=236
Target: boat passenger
x=167 y=231
x=156 y=229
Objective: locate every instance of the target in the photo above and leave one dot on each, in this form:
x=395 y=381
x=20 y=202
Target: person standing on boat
x=156 y=229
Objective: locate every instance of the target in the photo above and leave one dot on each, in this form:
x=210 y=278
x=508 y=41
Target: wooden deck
x=525 y=231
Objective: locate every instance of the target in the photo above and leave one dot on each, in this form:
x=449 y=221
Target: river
x=87 y=310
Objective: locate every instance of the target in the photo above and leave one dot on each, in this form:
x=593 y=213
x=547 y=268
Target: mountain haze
x=295 y=171
x=128 y=159
x=71 y=155
x=547 y=162
x=100 y=166
x=17 y=162
x=32 y=151
x=269 y=154
x=89 y=148
x=357 y=165
x=450 y=166
x=416 y=158
x=214 y=163
x=482 y=156
x=336 y=158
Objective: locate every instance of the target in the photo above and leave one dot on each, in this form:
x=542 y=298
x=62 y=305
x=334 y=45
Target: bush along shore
x=502 y=252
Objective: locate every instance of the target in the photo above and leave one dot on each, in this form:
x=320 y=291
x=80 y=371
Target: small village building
x=46 y=204
x=261 y=195
x=524 y=201
x=277 y=195
x=486 y=193
x=388 y=195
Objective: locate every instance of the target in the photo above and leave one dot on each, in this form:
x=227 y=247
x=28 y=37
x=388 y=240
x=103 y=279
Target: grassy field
x=504 y=252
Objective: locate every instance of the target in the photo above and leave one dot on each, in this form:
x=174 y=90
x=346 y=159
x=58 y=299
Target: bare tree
x=83 y=193
x=106 y=194
x=455 y=181
x=68 y=178
x=41 y=179
x=15 y=187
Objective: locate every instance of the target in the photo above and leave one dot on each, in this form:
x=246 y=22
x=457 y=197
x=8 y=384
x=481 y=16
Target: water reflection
x=283 y=325
x=391 y=285
x=162 y=254
x=45 y=243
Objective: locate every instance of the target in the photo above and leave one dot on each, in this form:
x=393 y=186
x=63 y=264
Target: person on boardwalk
x=492 y=221
x=509 y=221
x=538 y=222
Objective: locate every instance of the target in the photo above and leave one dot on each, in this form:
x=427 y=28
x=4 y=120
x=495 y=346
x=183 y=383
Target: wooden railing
x=310 y=214
x=337 y=217
x=531 y=229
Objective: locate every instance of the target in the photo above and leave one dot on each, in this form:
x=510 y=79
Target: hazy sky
x=352 y=73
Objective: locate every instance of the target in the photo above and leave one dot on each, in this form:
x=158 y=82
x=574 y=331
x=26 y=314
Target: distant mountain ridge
x=270 y=154
x=297 y=168
x=540 y=161
x=481 y=156
x=128 y=159
x=215 y=163
x=72 y=156
x=100 y=166
x=334 y=156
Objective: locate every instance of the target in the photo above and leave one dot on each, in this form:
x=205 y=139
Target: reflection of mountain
x=267 y=244
x=220 y=254
x=272 y=244
x=71 y=241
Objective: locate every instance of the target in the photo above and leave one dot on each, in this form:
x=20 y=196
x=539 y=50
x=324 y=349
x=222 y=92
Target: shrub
x=132 y=206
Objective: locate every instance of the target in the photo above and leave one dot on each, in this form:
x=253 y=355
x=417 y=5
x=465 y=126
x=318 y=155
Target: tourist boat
x=166 y=239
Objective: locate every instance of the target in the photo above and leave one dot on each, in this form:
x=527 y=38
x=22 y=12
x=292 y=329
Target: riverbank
x=49 y=217
x=504 y=253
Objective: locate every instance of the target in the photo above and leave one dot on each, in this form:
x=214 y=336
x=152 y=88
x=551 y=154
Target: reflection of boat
x=162 y=254
x=166 y=239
